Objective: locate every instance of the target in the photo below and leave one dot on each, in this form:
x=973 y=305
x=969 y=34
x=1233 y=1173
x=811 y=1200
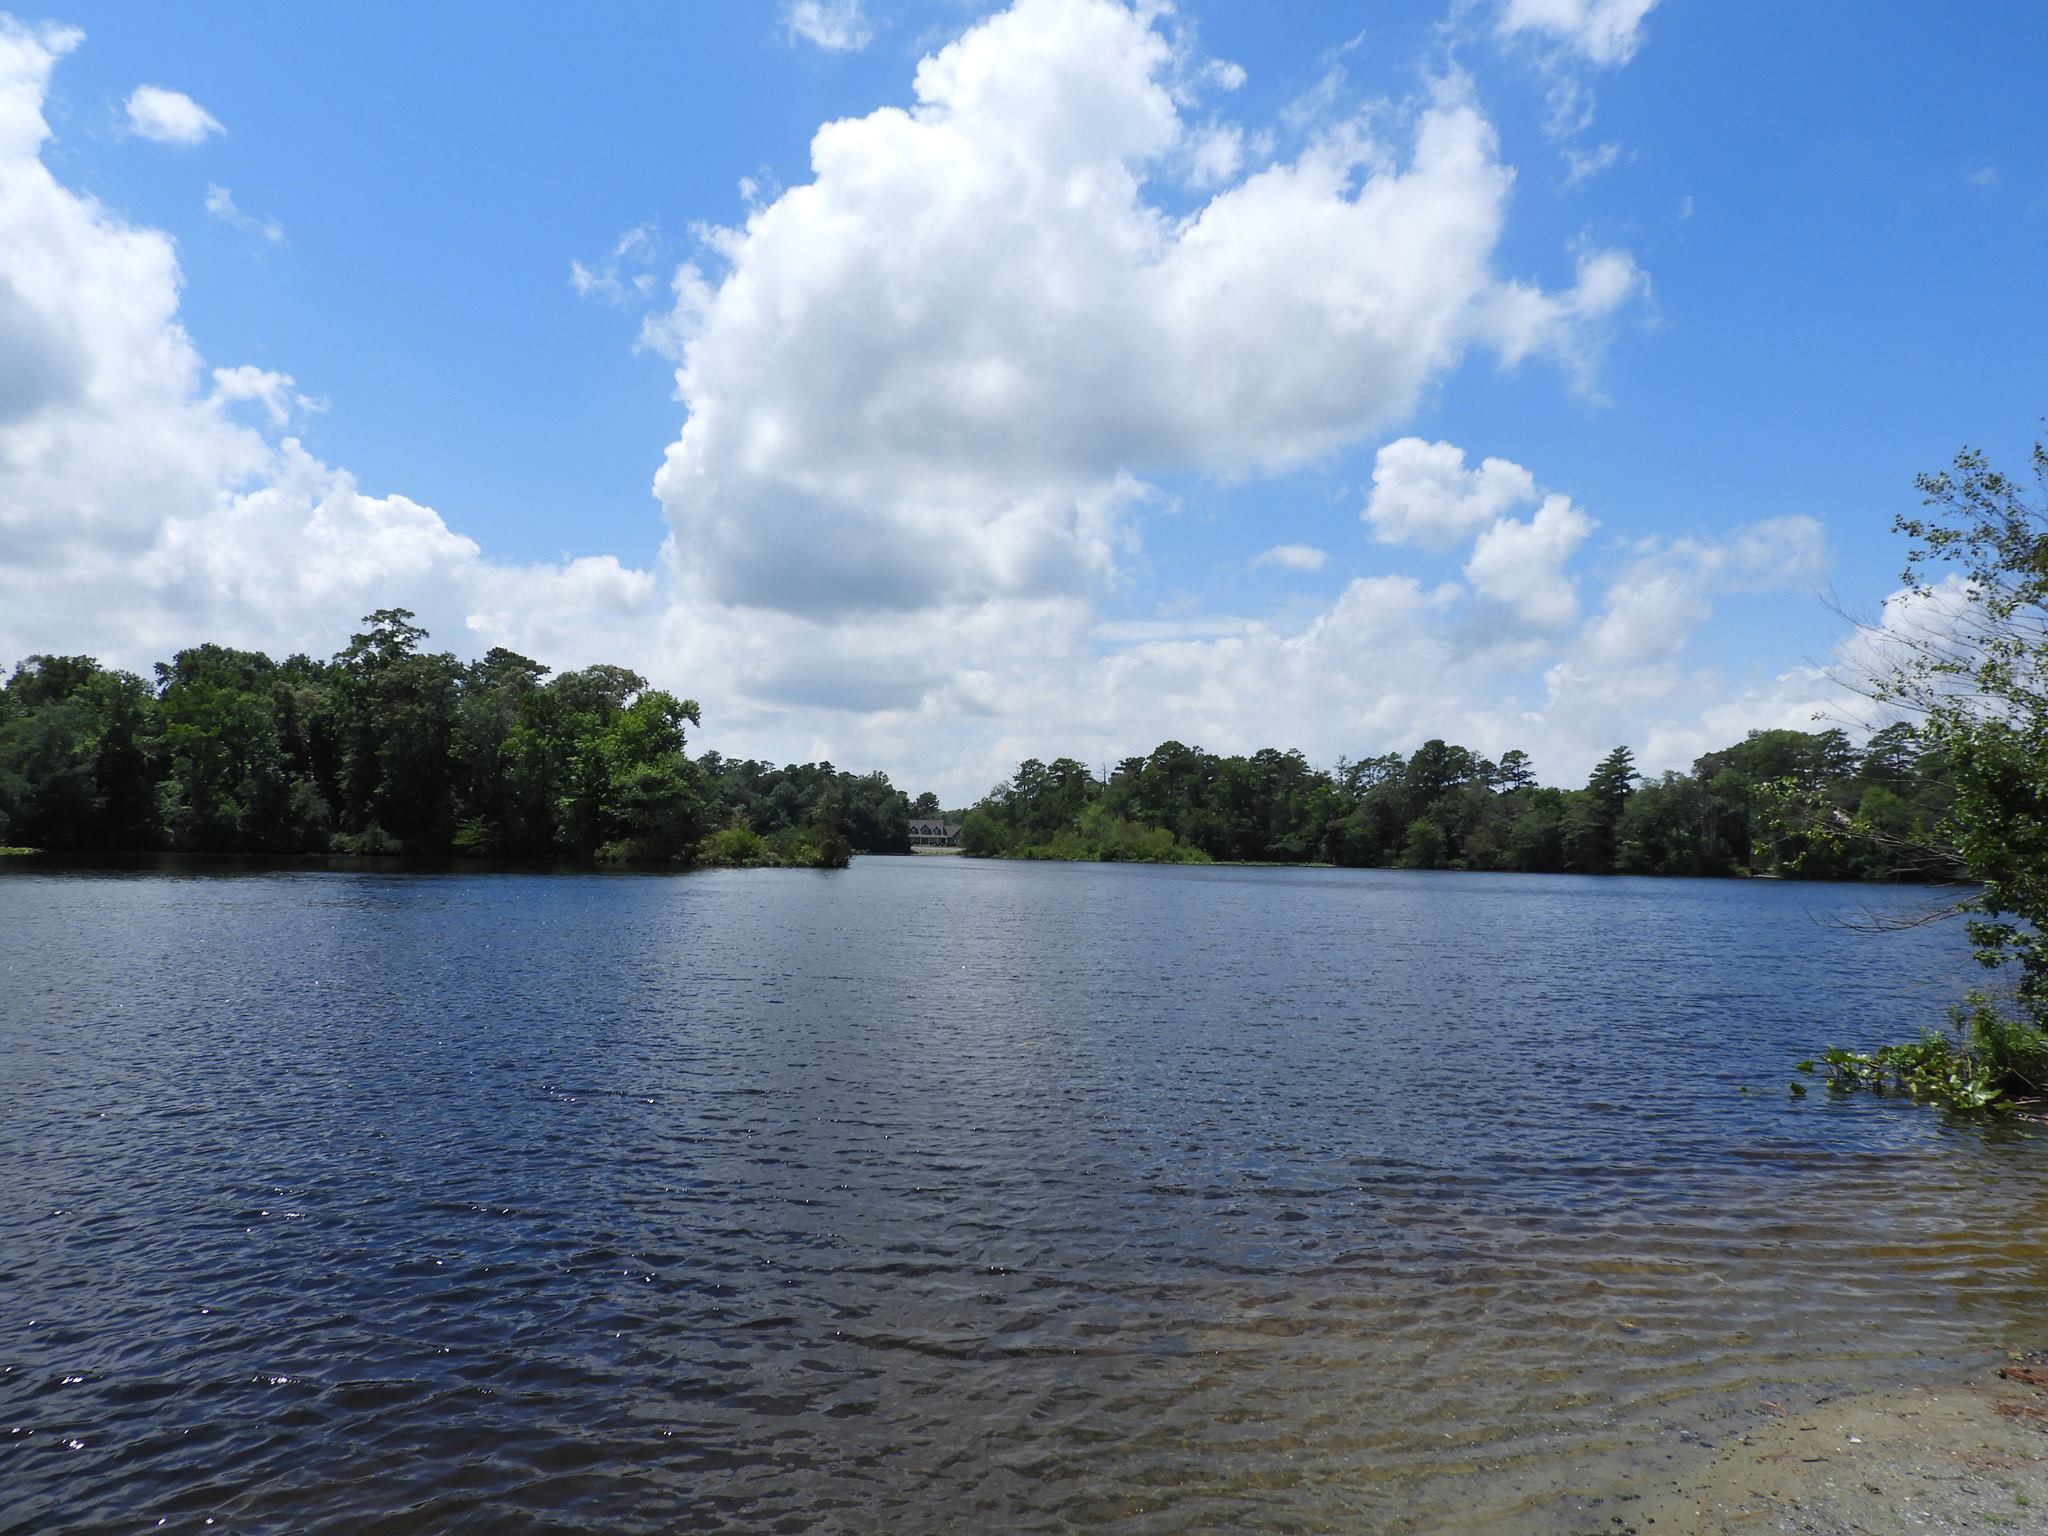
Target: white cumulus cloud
x=972 y=329
x=1423 y=494
x=1521 y=564
x=169 y=117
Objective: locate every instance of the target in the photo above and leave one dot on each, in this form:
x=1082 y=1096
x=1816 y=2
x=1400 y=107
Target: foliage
x=739 y=846
x=1989 y=1058
x=1982 y=685
x=870 y=813
x=1969 y=657
x=1446 y=807
x=1101 y=836
x=1933 y=1068
x=393 y=748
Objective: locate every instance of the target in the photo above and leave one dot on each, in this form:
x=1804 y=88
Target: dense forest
x=1774 y=803
x=393 y=748
x=390 y=747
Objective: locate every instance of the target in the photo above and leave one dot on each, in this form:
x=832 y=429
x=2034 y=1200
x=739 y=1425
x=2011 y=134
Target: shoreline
x=193 y=861
x=1964 y=1454
x=452 y=863
x=1734 y=877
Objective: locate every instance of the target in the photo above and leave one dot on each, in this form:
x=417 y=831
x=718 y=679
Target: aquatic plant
x=1932 y=1068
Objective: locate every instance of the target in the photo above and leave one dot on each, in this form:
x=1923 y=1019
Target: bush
x=1989 y=1060
x=740 y=847
x=734 y=846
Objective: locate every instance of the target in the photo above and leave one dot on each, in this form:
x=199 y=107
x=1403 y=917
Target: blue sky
x=1831 y=217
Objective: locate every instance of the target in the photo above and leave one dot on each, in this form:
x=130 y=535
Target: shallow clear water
x=936 y=1195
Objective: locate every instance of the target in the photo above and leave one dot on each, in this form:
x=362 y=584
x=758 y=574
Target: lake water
x=938 y=1195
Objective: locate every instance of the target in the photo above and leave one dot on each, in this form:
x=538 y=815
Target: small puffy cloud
x=1223 y=74
x=221 y=204
x=1583 y=165
x=1602 y=32
x=1985 y=176
x=837 y=26
x=1521 y=564
x=1292 y=557
x=1423 y=494
x=1569 y=326
x=169 y=117
x=1648 y=616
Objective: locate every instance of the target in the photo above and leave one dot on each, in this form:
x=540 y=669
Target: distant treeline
x=392 y=748
x=1782 y=802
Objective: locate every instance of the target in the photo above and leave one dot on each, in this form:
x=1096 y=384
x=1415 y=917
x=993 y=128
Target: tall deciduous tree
x=1976 y=672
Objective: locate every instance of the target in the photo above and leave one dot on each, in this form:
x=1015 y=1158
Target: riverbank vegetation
x=1746 y=809
x=1970 y=664
x=394 y=748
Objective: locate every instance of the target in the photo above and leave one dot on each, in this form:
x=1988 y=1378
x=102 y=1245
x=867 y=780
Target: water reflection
x=935 y=1195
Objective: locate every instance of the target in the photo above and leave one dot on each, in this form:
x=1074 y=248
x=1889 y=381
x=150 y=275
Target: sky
x=926 y=386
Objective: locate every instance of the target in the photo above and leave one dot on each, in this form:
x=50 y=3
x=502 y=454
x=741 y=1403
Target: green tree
x=1593 y=821
x=652 y=804
x=1515 y=770
x=1536 y=837
x=396 y=708
x=76 y=756
x=1426 y=846
x=1974 y=668
x=231 y=781
x=1668 y=827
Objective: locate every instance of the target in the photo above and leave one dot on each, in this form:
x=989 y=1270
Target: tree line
x=390 y=747
x=1764 y=805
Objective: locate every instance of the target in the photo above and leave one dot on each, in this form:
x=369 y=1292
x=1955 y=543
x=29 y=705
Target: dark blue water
x=936 y=1195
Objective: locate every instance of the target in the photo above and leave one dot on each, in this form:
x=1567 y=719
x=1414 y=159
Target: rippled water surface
x=939 y=1196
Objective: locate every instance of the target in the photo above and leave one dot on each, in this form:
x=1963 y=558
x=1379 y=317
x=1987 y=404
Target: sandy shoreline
x=1961 y=1456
